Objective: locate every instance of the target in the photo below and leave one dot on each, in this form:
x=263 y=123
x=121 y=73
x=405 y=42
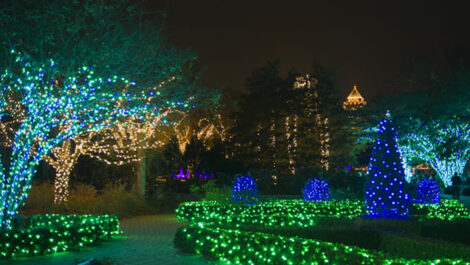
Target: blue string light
x=385 y=197
x=245 y=190
x=316 y=190
x=427 y=192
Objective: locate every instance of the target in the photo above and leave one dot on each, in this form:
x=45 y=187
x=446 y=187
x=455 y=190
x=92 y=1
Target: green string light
x=287 y=213
x=239 y=247
x=51 y=233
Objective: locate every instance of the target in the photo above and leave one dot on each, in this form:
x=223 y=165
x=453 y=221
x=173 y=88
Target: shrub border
x=241 y=247
x=51 y=233
x=302 y=213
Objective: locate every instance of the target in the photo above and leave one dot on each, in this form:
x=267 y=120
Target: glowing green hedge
x=276 y=213
x=235 y=246
x=50 y=233
x=447 y=210
x=301 y=213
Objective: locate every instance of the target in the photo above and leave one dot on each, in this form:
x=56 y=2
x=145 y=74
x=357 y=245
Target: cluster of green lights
x=275 y=213
x=448 y=210
x=239 y=247
x=51 y=233
x=301 y=213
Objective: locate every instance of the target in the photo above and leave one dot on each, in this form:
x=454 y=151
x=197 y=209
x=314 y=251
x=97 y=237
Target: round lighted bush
x=427 y=192
x=316 y=190
x=245 y=190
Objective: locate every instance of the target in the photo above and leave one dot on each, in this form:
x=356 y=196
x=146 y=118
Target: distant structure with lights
x=354 y=101
x=309 y=84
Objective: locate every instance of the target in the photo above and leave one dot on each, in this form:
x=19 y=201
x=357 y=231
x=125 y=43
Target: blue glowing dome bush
x=245 y=190
x=427 y=192
x=316 y=190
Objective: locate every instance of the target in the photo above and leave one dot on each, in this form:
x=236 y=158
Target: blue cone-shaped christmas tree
x=385 y=196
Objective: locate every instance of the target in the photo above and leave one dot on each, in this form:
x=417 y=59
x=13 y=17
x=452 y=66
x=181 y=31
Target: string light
x=384 y=193
x=245 y=190
x=316 y=190
x=234 y=246
x=121 y=144
x=80 y=103
x=428 y=192
x=51 y=233
x=286 y=213
x=182 y=174
x=445 y=146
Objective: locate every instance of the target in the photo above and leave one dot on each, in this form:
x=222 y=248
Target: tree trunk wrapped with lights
x=72 y=75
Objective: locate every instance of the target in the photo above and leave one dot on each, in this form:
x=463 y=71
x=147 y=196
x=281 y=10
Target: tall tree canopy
x=290 y=123
x=431 y=111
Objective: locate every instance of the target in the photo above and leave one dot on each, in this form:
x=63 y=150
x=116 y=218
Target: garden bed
x=50 y=233
x=335 y=232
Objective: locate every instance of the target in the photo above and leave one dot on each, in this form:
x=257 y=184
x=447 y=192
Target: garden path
x=147 y=240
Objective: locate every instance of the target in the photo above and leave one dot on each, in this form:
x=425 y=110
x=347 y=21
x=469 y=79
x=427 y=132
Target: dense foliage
x=284 y=124
x=50 y=233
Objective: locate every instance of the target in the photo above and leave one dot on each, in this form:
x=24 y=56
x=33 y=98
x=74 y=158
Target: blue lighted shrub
x=427 y=192
x=316 y=190
x=245 y=190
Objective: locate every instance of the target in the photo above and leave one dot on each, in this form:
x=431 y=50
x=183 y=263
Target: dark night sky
x=365 y=41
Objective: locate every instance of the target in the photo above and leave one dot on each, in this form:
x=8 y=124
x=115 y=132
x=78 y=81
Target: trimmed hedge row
x=399 y=244
x=447 y=210
x=50 y=233
x=301 y=213
x=274 y=213
x=241 y=247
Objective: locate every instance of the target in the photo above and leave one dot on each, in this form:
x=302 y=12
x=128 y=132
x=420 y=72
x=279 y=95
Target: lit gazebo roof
x=354 y=101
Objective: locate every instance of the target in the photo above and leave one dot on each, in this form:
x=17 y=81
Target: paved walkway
x=147 y=240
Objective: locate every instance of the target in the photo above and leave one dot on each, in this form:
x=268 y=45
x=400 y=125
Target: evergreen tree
x=384 y=194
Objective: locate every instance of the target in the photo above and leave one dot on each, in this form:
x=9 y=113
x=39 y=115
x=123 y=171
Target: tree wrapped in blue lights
x=316 y=190
x=427 y=192
x=245 y=190
x=384 y=193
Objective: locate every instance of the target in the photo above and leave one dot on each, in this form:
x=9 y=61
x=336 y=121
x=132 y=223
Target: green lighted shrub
x=240 y=247
x=447 y=210
x=50 y=233
x=273 y=213
x=301 y=213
